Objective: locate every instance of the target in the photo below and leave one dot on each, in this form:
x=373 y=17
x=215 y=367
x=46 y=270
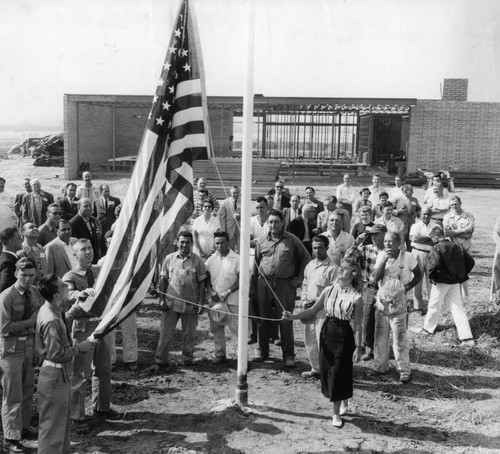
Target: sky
x=308 y=48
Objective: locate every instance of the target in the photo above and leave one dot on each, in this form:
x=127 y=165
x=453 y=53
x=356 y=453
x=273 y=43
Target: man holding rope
x=280 y=260
x=182 y=293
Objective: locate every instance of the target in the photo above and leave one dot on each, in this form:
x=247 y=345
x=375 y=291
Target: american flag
x=160 y=197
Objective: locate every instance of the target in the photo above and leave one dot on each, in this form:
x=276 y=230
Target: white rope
x=218 y=310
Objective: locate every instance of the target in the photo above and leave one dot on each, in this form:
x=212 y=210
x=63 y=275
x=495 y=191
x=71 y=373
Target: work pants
x=219 y=332
x=95 y=363
x=384 y=324
x=54 y=411
x=452 y=292
x=369 y=298
x=18 y=385
x=312 y=333
x=129 y=340
x=275 y=292
x=168 y=322
x=418 y=300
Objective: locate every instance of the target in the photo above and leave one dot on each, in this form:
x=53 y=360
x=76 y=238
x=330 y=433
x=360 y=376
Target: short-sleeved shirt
x=256 y=229
x=420 y=229
x=283 y=258
x=453 y=221
x=318 y=275
x=184 y=275
x=224 y=272
x=13 y=320
x=338 y=247
x=339 y=302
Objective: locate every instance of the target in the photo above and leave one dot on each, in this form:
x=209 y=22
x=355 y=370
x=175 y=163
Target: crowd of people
x=358 y=261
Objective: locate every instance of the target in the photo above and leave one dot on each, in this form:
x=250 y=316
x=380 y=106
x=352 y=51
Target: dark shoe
x=259 y=359
x=404 y=378
x=80 y=426
x=277 y=342
x=290 y=362
x=219 y=360
x=132 y=366
x=14 y=446
x=310 y=374
x=111 y=415
x=252 y=340
x=30 y=433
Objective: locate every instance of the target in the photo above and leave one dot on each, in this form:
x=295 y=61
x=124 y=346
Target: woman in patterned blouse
x=339 y=345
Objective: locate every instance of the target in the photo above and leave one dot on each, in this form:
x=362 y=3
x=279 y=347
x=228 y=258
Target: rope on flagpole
x=218 y=310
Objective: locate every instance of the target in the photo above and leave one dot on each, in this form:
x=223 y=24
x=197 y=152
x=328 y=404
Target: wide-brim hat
x=219 y=313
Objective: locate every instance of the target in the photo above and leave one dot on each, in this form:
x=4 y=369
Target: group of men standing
x=45 y=275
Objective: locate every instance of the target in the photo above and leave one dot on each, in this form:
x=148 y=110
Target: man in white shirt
x=429 y=193
x=59 y=252
x=319 y=273
x=375 y=190
x=258 y=223
x=339 y=241
x=396 y=191
x=223 y=272
x=87 y=190
x=421 y=245
x=293 y=211
x=346 y=194
x=439 y=204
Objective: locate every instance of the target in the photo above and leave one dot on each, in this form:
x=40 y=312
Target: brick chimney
x=455 y=89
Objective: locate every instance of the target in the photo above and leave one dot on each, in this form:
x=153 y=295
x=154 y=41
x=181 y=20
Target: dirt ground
x=450 y=406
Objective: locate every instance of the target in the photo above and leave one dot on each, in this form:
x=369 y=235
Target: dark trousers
x=268 y=293
x=369 y=296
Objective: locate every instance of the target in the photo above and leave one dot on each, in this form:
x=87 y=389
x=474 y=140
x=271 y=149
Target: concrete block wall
x=221 y=127
x=130 y=123
x=462 y=135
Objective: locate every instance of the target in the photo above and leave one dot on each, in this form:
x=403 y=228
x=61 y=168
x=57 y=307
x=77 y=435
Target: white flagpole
x=246 y=200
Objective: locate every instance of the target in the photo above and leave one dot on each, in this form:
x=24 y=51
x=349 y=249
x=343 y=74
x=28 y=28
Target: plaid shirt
x=366 y=256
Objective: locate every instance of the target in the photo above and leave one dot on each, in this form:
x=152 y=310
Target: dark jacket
x=449 y=263
x=7 y=270
x=79 y=230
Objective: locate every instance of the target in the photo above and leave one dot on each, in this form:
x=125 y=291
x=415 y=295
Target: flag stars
x=177 y=33
x=172 y=49
x=150 y=116
x=187 y=67
x=155 y=99
x=166 y=105
x=171 y=89
x=184 y=52
x=161 y=82
x=166 y=66
x=160 y=121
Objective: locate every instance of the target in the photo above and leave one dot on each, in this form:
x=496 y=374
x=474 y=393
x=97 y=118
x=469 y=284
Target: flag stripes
x=160 y=197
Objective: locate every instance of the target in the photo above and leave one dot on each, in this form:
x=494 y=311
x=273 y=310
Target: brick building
x=428 y=134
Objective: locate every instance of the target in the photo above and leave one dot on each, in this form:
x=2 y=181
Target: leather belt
x=22 y=338
x=46 y=362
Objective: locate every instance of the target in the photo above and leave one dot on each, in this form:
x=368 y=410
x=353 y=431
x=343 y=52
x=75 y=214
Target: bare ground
x=450 y=406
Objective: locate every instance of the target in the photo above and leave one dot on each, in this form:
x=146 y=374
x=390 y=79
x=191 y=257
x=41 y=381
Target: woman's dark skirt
x=335 y=359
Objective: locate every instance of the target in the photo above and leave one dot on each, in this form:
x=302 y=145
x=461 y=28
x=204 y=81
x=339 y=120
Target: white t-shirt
x=224 y=273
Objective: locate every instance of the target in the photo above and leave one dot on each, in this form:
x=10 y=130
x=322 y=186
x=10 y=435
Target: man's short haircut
x=53 y=205
x=221 y=234
x=25 y=264
x=80 y=201
x=235 y=187
x=101 y=186
x=383 y=194
x=387 y=204
x=407 y=186
x=185 y=234
x=80 y=242
x=277 y=213
x=48 y=286
x=456 y=199
x=376 y=175
x=62 y=221
x=85 y=173
x=201 y=179
x=68 y=184
x=294 y=195
x=261 y=199
x=365 y=190
x=321 y=239
x=395 y=236
x=311 y=188
x=7 y=234
x=3 y=179
x=331 y=199
x=308 y=207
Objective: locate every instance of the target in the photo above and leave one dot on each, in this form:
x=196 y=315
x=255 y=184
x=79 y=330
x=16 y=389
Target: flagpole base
x=242 y=391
